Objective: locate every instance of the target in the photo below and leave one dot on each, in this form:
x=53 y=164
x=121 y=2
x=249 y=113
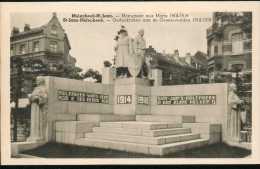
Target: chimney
x=26 y=27
x=15 y=30
x=188 y=54
x=188 y=58
x=176 y=53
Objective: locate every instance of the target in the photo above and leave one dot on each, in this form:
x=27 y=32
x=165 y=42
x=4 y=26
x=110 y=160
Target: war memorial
x=131 y=111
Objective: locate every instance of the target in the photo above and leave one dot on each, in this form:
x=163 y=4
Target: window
x=237 y=43
x=53 y=46
x=215 y=50
x=52 y=66
x=54 y=29
x=22 y=49
x=36 y=46
x=237 y=67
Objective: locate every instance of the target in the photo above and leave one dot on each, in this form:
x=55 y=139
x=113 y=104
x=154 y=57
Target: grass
x=56 y=150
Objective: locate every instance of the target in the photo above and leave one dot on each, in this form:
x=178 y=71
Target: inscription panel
x=77 y=96
x=187 y=100
x=143 y=100
x=124 y=99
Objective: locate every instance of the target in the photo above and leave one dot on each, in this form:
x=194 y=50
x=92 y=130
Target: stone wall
x=59 y=110
x=213 y=113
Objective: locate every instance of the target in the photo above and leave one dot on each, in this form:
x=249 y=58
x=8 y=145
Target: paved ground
x=55 y=150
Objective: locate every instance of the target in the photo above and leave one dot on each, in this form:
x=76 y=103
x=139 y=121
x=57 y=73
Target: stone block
x=155 y=150
x=65 y=117
x=158 y=118
x=132 y=81
x=174 y=125
x=181 y=138
x=123 y=138
x=165 y=132
x=215 y=138
x=132 y=147
x=118 y=130
x=215 y=128
x=105 y=117
x=19 y=147
x=188 y=119
x=74 y=126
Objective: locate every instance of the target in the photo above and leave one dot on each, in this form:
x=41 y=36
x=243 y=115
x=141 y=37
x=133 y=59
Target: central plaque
x=124 y=99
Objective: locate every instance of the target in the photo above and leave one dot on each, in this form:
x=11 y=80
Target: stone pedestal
x=35 y=133
x=157 y=77
x=132 y=96
x=108 y=75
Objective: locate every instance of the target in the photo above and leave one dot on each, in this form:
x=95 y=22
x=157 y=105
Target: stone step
x=141 y=125
x=142 y=139
x=104 y=117
x=142 y=148
x=166 y=118
x=141 y=132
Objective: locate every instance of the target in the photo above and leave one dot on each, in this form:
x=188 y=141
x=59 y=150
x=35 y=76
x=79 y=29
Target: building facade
x=229 y=43
x=176 y=69
x=46 y=46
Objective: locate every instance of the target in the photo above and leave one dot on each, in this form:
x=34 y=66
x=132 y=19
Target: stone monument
x=123 y=51
x=38 y=100
x=130 y=57
x=233 y=117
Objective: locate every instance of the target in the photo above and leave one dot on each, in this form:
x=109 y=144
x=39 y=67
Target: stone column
x=108 y=75
x=157 y=77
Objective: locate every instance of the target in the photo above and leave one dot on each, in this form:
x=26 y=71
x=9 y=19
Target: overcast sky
x=92 y=43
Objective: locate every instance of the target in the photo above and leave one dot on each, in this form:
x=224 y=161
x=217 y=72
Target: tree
x=27 y=70
x=94 y=74
x=69 y=71
x=107 y=63
x=247 y=23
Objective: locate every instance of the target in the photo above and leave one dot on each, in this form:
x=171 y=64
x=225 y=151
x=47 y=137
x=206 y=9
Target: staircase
x=147 y=137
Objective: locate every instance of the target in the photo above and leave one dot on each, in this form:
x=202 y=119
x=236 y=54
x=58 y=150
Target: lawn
x=56 y=150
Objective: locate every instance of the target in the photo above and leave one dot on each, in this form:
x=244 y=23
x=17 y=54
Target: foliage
x=94 y=74
x=107 y=63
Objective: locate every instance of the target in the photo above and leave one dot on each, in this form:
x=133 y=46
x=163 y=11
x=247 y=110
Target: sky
x=92 y=43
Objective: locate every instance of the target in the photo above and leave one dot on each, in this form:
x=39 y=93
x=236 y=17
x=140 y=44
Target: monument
x=130 y=113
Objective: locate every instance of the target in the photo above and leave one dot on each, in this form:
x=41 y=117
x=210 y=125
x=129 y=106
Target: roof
x=171 y=60
x=32 y=30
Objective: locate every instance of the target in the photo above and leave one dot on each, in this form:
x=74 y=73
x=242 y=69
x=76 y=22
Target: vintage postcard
x=130 y=83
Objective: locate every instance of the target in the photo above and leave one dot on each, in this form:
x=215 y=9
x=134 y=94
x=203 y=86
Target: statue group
x=130 y=59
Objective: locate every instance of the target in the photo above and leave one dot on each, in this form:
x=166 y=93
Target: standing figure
x=138 y=58
x=123 y=53
x=38 y=100
x=233 y=117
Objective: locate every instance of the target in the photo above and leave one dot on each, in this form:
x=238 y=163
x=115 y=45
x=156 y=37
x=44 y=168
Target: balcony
x=54 y=53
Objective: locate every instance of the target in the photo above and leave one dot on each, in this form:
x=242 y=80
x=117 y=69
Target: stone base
x=132 y=81
x=18 y=147
x=156 y=138
x=212 y=132
x=34 y=139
